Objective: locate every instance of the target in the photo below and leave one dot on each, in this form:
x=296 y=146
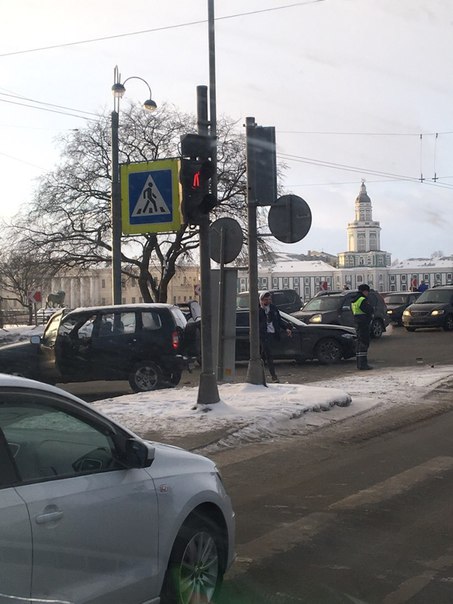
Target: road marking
x=281 y=540
x=414 y=585
x=396 y=485
x=303 y=530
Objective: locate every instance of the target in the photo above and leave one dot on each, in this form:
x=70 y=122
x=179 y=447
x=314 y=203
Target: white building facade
x=363 y=262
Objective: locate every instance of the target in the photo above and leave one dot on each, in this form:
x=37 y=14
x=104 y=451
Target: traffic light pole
x=207 y=391
x=255 y=371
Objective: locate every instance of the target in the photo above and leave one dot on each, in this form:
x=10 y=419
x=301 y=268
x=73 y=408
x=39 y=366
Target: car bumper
x=424 y=321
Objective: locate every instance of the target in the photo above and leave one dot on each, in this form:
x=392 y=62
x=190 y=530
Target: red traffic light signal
x=194 y=177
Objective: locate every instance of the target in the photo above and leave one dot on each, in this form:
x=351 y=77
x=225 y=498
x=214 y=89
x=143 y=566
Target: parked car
x=93 y=513
x=287 y=300
x=147 y=344
x=334 y=308
x=434 y=308
x=326 y=343
x=397 y=302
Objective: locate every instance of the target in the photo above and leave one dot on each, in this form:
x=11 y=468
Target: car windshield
x=435 y=296
x=395 y=299
x=323 y=303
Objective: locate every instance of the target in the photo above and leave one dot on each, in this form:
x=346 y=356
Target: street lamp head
x=150 y=105
x=118 y=90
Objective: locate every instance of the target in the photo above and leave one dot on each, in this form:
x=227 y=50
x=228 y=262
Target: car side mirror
x=345 y=308
x=138 y=455
x=35 y=339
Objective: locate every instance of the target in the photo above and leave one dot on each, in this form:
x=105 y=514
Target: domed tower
x=364 y=242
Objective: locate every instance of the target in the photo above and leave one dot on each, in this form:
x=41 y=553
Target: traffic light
x=195 y=176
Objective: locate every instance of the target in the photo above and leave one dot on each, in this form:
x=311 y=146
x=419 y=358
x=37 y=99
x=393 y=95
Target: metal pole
x=255 y=371
x=221 y=321
x=116 y=213
x=207 y=391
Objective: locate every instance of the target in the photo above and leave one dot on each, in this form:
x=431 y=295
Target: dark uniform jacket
x=274 y=317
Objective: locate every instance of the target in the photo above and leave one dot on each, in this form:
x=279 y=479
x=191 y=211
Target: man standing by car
x=363 y=315
x=270 y=326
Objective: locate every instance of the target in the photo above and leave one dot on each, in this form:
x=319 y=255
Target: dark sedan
x=326 y=343
x=397 y=302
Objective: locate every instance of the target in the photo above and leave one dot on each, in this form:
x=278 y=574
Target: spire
x=363 y=197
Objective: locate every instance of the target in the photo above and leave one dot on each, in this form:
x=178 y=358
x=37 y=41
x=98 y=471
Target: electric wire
x=24 y=98
x=156 y=29
x=357 y=169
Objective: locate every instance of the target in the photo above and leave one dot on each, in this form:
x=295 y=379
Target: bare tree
x=69 y=221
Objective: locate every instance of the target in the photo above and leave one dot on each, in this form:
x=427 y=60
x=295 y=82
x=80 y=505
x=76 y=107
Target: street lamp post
x=118 y=90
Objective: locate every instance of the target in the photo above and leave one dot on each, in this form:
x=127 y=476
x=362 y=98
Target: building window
x=403 y=278
x=133 y=300
x=285 y=281
x=103 y=283
x=359 y=278
x=392 y=278
x=275 y=282
x=426 y=278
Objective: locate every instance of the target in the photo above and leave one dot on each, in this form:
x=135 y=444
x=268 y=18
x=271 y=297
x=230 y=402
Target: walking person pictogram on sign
x=150 y=201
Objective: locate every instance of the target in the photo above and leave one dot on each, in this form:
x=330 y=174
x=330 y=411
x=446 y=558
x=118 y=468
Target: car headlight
x=406 y=313
x=436 y=313
x=390 y=312
x=316 y=319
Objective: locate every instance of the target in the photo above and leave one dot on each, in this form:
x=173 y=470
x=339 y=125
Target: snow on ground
x=248 y=413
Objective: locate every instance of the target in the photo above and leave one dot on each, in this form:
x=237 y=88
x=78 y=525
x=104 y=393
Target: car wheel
x=145 y=376
x=328 y=351
x=410 y=328
x=175 y=377
x=448 y=323
x=195 y=569
x=376 y=329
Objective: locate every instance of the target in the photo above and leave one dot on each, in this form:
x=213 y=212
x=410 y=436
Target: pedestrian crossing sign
x=150 y=197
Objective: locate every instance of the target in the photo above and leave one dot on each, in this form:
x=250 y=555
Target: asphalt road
x=357 y=516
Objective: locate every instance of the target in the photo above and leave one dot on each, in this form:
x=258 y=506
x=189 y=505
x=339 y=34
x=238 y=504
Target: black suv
x=334 y=308
x=287 y=300
x=147 y=344
x=434 y=308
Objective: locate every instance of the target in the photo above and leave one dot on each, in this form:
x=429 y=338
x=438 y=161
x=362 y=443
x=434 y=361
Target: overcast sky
x=350 y=85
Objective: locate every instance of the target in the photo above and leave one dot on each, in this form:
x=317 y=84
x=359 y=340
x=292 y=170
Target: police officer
x=363 y=314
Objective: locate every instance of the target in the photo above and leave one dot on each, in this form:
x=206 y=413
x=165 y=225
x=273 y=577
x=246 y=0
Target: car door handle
x=50 y=514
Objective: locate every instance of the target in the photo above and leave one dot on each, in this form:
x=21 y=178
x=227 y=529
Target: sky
x=248 y=413
x=356 y=89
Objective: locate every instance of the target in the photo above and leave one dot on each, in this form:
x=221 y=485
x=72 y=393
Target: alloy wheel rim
x=199 y=570
x=146 y=378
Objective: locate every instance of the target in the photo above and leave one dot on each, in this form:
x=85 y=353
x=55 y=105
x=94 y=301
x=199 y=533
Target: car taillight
x=175 y=340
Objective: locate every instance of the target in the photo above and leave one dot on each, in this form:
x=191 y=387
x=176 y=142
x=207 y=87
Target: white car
x=91 y=513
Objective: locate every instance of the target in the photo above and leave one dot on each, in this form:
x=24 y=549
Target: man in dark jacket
x=363 y=315
x=270 y=326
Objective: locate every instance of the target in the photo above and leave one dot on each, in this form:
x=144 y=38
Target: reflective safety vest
x=355 y=306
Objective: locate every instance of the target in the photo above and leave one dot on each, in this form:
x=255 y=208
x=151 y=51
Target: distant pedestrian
x=270 y=326
x=423 y=286
x=363 y=315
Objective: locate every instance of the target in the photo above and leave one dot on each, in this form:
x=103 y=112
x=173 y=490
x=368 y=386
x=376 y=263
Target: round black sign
x=289 y=219
x=225 y=238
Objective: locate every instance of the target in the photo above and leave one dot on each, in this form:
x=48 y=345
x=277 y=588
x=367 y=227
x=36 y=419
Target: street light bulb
x=150 y=105
x=118 y=90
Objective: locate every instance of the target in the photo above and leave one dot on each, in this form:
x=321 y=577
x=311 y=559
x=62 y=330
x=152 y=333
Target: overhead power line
x=24 y=98
x=347 y=168
x=83 y=117
x=156 y=29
